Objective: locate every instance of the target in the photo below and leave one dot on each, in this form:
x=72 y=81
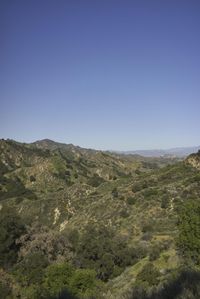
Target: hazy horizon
x=113 y=75
x=106 y=149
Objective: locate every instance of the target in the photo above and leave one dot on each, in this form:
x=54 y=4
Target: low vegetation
x=84 y=224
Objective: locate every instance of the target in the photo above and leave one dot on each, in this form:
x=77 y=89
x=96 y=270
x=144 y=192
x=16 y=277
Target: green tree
x=107 y=266
x=57 y=277
x=84 y=283
x=31 y=269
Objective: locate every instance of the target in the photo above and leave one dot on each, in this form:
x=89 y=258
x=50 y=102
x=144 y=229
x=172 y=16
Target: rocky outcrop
x=194 y=160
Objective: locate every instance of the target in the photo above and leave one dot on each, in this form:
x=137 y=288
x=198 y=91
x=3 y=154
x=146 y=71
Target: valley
x=82 y=223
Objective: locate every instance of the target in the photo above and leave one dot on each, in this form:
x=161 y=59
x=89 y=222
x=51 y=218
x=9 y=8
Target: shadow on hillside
x=185 y=286
x=64 y=295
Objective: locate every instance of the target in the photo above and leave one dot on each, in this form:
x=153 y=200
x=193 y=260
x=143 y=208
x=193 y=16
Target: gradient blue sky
x=104 y=74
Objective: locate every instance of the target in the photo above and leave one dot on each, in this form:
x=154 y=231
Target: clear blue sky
x=107 y=74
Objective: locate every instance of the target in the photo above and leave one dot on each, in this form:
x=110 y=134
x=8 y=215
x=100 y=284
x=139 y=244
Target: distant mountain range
x=177 y=152
x=172 y=152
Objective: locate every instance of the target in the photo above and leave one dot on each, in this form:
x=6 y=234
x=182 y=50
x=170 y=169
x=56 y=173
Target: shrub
x=147 y=228
x=150 y=192
x=138 y=186
x=32 y=178
x=164 y=202
x=95 y=180
x=148 y=275
x=115 y=193
x=154 y=253
x=124 y=213
x=147 y=236
x=131 y=200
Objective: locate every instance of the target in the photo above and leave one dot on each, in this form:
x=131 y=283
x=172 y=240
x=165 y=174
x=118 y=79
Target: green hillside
x=82 y=223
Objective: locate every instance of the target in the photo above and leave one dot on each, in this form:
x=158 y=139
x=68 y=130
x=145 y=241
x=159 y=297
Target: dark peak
x=51 y=145
x=46 y=140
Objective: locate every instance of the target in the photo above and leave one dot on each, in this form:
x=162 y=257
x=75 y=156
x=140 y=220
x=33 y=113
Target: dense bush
x=11 y=228
x=62 y=280
x=53 y=244
x=189 y=230
x=99 y=249
x=95 y=180
x=38 y=280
